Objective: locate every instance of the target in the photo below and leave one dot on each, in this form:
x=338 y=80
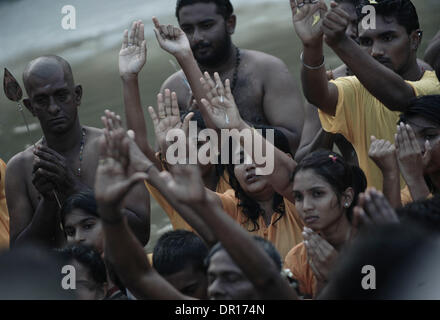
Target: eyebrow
x=370 y=34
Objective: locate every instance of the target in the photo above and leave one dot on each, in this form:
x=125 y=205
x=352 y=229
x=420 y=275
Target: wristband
x=311 y=67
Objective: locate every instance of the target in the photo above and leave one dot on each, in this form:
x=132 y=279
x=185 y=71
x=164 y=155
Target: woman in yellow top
x=4 y=215
x=325 y=189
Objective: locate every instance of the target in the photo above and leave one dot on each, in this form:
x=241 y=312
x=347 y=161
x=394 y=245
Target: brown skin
x=86 y=286
x=388 y=43
x=32 y=175
x=190 y=281
x=265 y=91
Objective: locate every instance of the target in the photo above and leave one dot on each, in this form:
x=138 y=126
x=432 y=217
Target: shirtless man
x=63 y=162
x=264 y=90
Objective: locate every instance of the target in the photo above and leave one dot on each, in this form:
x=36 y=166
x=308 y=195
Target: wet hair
x=178 y=249
x=89 y=258
x=84 y=200
x=268 y=247
x=43 y=66
x=339 y=174
x=251 y=208
x=224 y=7
x=403 y=10
x=425 y=213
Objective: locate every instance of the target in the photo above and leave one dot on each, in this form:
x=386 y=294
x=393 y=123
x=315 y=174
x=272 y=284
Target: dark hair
x=88 y=257
x=427 y=107
x=224 y=7
x=251 y=208
x=355 y=3
x=337 y=172
x=268 y=247
x=84 y=200
x=177 y=249
x=403 y=10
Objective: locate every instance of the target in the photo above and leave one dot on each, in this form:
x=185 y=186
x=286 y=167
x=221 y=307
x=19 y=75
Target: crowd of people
x=355 y=179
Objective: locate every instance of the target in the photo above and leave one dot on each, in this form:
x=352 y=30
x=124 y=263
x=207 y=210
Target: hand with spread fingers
x=133 y=53
x=220 y=104
x=321 y=255
x=113 y=180
x=373 y=209
x=307 y=20
x=167 y=118
x=171 y=39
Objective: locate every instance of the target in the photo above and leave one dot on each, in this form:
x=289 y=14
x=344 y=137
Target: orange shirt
x=283 y=234
x=296 y=261
x=4 y=215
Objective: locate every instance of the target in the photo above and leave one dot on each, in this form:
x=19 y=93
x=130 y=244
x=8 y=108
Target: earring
x=346 y=205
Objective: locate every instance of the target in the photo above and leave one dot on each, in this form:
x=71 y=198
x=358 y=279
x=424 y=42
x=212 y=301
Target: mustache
x=383 y=60
x=201 y=45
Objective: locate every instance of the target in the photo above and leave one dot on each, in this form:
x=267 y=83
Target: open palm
x=307 y=20
x=133 y=53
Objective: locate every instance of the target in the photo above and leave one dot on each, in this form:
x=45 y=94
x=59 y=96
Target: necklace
x=81 y=150
x=237 y=64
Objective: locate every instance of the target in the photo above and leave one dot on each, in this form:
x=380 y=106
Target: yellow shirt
x=176 y=220
x=359 y=115
x=4 y=215
x=284 y=234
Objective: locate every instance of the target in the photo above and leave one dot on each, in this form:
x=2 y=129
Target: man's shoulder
x=254 y=57
x=20 y=160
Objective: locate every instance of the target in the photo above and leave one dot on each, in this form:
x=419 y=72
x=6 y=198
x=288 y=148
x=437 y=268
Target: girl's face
x=316 y=202
x=85 y=228
x=252 y=184
x=427 y=131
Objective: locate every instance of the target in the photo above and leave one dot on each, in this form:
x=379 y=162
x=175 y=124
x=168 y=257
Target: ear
x=78 y=94
x=347 y=197
x=27 y=103
x=230 y=24
x=415 y=39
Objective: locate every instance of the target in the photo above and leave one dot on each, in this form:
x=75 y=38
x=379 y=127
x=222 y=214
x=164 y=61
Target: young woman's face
x=426 y=130
x=315 y=200
x=85 y=228
x=250 y=182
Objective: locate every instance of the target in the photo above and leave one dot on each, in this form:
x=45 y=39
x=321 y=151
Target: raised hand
x=409 y=155
x=220 y=103
x=335 y=24
x=383 y=153
x=321 y=254
x=133 y=54
x=113 y=180
x=372 y=209
x=171 y=39
x=168 y=118
x=307 y=20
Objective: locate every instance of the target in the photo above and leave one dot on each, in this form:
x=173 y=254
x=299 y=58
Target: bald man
x=64 y=160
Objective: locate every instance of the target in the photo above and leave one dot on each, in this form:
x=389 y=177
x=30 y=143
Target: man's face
x=190 y=281
x=54 y=101
x=389 y=43
x=86 y=287
x=206 y=32
x=226 y=281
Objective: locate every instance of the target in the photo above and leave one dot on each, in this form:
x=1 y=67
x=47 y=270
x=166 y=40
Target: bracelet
x=310 y=67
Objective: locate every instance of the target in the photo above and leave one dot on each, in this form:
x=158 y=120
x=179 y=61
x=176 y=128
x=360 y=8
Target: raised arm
x=113 y=182
x=307 y=21
x=223 y=112
x=247 y=254
x=382 y=82
x=432 y=53
x=132 y=58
